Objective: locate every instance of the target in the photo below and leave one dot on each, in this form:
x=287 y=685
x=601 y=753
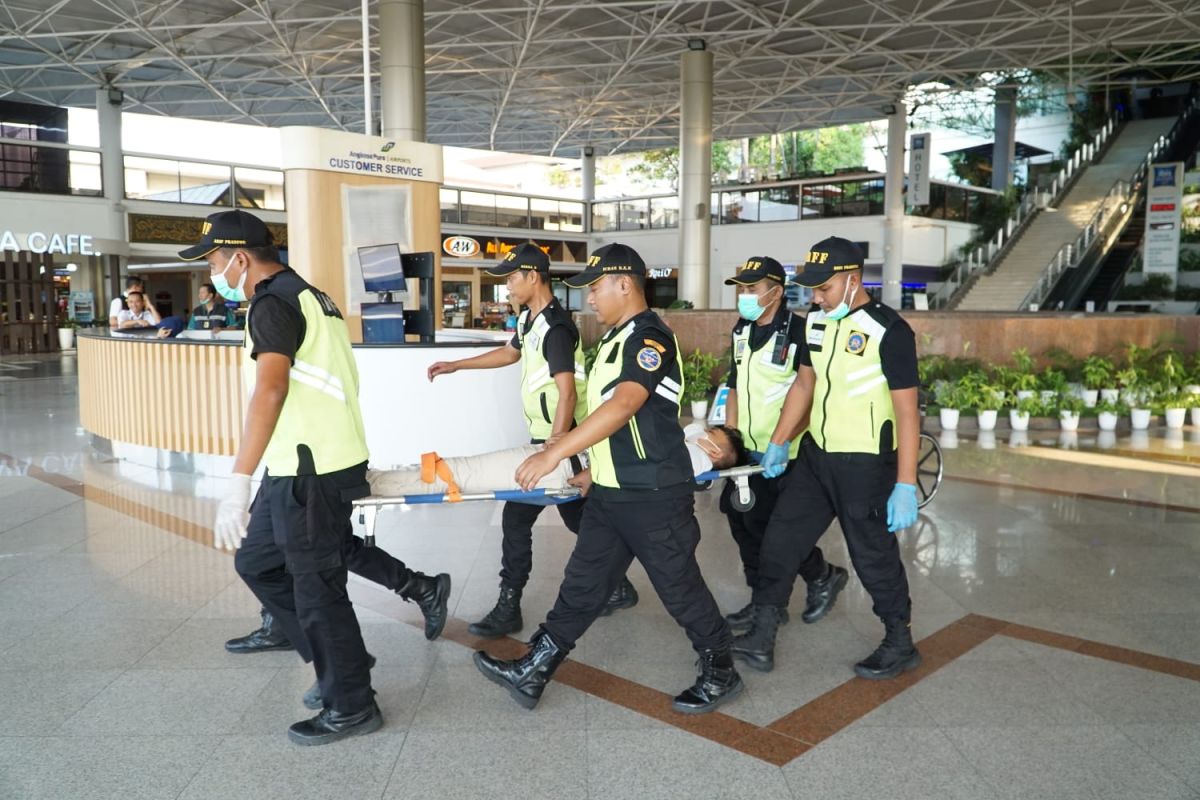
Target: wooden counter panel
x=185 y=398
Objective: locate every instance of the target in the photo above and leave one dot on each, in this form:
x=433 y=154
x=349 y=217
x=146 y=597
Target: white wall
x=927 y=242
x=23 y=213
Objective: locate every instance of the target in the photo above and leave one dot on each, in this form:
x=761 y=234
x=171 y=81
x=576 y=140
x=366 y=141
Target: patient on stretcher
x=714 y=448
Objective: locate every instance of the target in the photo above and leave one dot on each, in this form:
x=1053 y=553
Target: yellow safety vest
x=762 y=384
x=852 y=403
x=321 y=410
x=539 y=392
x=648 y=453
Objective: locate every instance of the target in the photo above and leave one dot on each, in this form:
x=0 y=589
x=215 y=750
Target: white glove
x=232 y=514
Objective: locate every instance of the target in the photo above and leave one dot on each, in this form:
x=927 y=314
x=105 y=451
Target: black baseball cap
x=612 y=259
x=758 y=268
x=235 y=228
x=525 y=256
x=827 y=258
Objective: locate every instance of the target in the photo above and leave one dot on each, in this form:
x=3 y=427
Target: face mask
x=749 y=306
x=709 y=447
x=235 y=293
x=841 y=309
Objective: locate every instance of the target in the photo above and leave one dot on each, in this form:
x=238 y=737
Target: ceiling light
x=697 y=44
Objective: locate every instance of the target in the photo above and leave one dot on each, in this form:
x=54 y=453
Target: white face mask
x=843 y=308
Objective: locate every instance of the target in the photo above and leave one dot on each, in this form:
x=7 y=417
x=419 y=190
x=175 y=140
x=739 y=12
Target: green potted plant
x=1052 y=383
x=1141 y=399
x=1069 y=409
x=1019 y=414
x=952 y=398
x=1109 y=414
x=1174 y=408
x=1097 y=377
x=987 y=399
x=66 y=332
x=1023 y=378
x=697 y=382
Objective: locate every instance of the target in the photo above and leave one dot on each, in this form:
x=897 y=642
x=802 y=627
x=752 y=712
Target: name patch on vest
x=740 y=350
x=327 y=305
x=856 y=345
x=649 y=359
x=533 y=341
x=816 y=336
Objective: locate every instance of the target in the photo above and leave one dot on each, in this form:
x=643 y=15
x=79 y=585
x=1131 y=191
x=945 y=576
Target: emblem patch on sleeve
x=649 y=359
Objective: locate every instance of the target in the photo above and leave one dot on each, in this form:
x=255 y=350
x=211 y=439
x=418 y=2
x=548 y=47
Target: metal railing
x=987 y=255
x=1122 y=196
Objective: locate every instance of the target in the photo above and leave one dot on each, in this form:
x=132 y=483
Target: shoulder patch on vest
x=329 y=307
x=857 y=343
x=656 y=345
x=649 y=359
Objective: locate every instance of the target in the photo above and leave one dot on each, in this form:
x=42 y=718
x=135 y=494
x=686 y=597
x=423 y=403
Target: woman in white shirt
x=138 y=315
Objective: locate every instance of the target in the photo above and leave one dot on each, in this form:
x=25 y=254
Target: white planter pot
x=1048 y=396
x=987 y=419
x=1108 y=421
x=1176 y=417
x=1195 y=414
x=1024 y=394
x=699 y=409
x=66 y=338
x=1192 y=388
x=1139 y=418
x=1110 y=395
x=949 y=418
x=1091 y=397
x=1068 y=420
x=1017 y=420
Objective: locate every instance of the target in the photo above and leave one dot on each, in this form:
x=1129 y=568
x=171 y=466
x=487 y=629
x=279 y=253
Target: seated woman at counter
x=139 y=314
x=709 y=448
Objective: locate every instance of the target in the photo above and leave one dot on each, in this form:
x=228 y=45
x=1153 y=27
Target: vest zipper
x=828 y=386
x=872 y=417
x=545 y=408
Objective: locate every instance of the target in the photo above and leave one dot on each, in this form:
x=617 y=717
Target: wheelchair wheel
x=929 y=469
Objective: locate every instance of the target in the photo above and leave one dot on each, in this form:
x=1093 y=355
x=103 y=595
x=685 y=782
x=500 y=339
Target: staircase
x=1006 y=286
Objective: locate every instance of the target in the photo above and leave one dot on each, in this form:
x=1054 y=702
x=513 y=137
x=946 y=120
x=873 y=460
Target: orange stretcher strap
x=433 y=467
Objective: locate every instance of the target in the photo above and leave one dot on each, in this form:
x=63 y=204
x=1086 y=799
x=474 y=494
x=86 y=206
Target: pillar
x=402 y=69
x=587 y=172
x=112 y=241
x=695 y=172
x=893 y=206
x=1005 y=137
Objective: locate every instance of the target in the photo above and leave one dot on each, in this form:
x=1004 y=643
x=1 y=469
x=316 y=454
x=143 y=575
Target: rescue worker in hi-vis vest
x=855 y=395
x=641 y=501
x=767 y=345
x=296 y=543
x=548 y=345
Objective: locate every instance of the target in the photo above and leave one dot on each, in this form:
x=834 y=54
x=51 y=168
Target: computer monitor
x=381 y=267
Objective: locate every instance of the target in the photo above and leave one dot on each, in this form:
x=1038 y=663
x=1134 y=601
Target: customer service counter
x=178 y=404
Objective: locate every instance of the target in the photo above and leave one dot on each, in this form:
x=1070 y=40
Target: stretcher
x=367 y=508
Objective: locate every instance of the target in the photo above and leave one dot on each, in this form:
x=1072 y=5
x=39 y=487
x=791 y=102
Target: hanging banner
x=1164 y=214
x=919 y=156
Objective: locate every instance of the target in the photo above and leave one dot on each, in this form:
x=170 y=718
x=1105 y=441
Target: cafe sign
x=41 y=242
x=460 y=246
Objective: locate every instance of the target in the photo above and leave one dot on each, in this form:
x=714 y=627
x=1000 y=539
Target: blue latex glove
x=775 y=460
x=902 y=507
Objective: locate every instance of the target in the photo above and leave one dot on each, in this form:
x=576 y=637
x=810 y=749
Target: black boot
x=822 y=594
x=624 y=596
x=756 y=647
x=525 y=678
x=269 y=637
x=718 y=683
x=504 y=618
x=330 y=725
x=741 y=619
x=431 y=595
x=312 y=698
x=895 y=654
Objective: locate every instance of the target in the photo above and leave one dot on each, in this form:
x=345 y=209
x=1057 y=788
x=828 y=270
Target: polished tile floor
x=1056 y=584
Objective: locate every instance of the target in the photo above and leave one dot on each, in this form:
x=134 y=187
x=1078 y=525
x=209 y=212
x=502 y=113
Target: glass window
x=780 y=203
x=815 y=200
x=259 y=188
x=456 y=304
x=570 y=216
x=478 y=208
x=635 y=215
x=85 y=173
x=512 y=212
x=664 y=212
x=449 y=201
x=714 y=209
x=733 y=208
x=604 y=217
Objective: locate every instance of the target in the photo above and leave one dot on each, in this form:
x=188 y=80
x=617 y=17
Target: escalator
x=1100 y=277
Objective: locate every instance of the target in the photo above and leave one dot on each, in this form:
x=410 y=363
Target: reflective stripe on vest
x=539 y=391
x=761 y=388
x=636 y=456
x=851 y=399
x=321 y=410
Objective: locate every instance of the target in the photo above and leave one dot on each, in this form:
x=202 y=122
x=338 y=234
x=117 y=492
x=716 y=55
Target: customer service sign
x=1164 y=213
x=359 y=154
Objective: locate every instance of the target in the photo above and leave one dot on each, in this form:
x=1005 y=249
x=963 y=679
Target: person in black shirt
x=211 y=314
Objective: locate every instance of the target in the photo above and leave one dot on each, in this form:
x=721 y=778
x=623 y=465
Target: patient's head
x=724 y=446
